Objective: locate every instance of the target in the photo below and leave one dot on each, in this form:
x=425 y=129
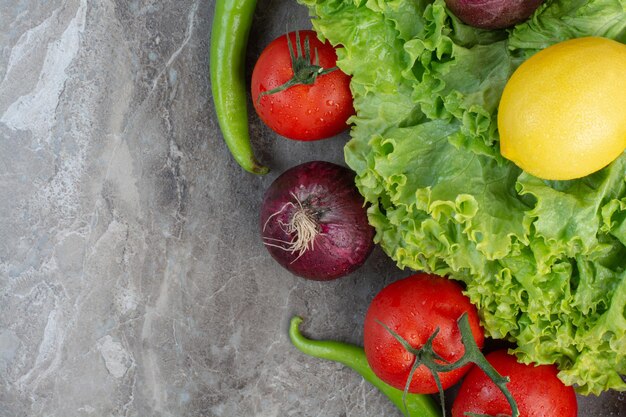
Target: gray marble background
x=133 y=281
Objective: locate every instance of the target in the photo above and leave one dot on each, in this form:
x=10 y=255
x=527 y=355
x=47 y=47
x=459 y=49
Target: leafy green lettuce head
x=544 y=261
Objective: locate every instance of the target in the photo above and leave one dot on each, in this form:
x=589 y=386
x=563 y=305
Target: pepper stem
x=305 y=69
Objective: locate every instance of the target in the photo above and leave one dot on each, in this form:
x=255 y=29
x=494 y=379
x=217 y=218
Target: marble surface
x=133 y=281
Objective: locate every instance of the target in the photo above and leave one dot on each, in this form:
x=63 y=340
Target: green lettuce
x=544 y=261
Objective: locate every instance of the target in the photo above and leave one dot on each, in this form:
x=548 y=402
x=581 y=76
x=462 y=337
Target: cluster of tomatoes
x=422 y=304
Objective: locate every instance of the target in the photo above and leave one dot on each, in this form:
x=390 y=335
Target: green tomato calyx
x=305 y=68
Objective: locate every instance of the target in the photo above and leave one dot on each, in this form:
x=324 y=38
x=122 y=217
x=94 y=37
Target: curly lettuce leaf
x=544 y=261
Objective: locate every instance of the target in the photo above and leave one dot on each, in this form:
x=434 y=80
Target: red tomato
x=536 y=390
x=414 y=308
x=301 y=112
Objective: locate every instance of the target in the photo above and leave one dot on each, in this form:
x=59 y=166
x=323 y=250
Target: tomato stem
x=305 y=69
x=426 y=356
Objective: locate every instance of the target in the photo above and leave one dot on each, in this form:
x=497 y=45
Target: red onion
x=493 y=14
x=314 y=221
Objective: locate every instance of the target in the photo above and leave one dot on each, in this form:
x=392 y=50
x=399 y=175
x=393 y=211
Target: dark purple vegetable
x=314 y=221
x=493 y=14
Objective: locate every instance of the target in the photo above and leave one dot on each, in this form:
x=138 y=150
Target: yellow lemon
x=562 y=114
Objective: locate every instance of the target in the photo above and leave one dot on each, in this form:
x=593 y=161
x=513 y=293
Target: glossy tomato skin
x=301 y=112
x=414 y=307
x=536 y=390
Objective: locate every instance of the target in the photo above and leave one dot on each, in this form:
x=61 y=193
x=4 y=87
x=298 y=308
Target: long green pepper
x=229 y=37
x=417 y=405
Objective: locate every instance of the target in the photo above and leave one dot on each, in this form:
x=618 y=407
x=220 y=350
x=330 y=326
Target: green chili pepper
x=229 y=38
x=414 y=405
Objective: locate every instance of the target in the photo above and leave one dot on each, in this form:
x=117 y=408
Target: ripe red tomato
x=414 y=308
x=536 y=390
x=303 y=111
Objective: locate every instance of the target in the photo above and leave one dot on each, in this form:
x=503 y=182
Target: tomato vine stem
x=426 y=356
x=305 y=69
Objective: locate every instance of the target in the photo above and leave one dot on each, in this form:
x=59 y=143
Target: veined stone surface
x=133 y=281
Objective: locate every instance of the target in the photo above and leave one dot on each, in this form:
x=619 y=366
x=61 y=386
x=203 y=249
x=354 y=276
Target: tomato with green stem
x=421 y=310
x=537 y=391
x=297 y=89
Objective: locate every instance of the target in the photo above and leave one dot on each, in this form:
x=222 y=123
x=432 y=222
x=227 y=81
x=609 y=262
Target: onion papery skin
x=327 y=192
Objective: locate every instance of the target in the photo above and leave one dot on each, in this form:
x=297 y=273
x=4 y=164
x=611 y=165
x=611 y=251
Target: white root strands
x=302 y=226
